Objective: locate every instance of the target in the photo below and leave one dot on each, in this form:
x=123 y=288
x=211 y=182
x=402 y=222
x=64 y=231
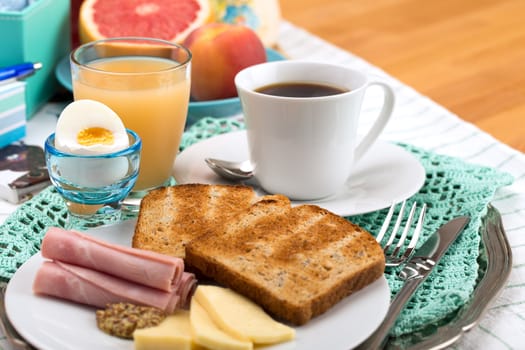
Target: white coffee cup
x=306 y=147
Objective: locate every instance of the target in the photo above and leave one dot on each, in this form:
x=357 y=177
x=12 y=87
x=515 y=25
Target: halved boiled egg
x=88 y=127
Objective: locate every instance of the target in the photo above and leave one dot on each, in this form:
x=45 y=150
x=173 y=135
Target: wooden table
x=468 y=55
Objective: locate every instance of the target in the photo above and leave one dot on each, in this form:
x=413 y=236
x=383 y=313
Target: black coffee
x=300 y=90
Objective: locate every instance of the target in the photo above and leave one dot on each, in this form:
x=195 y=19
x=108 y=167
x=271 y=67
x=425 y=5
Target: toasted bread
x=170 y=217
x=294 y=262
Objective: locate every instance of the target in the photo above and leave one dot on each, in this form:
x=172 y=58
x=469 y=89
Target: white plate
x=53 y=324
x=385 y=175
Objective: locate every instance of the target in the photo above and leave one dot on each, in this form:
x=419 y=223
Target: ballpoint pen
x=19 y=71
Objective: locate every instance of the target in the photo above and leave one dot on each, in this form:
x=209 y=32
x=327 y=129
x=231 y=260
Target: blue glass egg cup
x=93 y=186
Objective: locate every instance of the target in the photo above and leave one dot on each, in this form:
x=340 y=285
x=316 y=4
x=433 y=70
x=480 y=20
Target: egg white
x=84 y=114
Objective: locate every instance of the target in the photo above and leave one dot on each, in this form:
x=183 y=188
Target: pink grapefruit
x=170 y=20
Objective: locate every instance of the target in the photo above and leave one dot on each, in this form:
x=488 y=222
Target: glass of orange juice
x=147 y=83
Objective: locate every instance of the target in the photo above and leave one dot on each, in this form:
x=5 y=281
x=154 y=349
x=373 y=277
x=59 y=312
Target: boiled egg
x=88 y=127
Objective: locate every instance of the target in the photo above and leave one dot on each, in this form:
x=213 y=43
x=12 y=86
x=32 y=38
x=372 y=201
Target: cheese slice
x=174 y=333
x=240 y=316
x=206 y=333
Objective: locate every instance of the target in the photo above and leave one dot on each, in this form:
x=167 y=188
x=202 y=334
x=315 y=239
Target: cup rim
x=253 y=91
x=133 y=148
x=74 y=60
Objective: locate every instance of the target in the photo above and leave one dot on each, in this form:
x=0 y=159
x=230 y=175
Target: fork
x=395 y=256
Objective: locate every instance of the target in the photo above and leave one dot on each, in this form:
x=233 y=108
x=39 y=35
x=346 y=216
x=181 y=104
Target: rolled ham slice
x=135 y=265
x=91 y=287
x=185 y=290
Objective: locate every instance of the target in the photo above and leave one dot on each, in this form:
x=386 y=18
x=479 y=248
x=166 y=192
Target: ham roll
x=136 y=265
x=85 y=270
x=98 y=289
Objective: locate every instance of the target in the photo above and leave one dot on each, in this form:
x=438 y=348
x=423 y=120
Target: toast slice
x=294 y=262
x=170 y=217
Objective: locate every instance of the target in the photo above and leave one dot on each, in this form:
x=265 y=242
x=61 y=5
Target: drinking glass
x=147 y=83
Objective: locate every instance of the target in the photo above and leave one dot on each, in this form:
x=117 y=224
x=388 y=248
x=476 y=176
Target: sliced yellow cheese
x=240 y=316
x=174 y=333
x=206 y=333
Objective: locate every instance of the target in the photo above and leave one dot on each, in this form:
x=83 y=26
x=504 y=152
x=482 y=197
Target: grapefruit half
x=170 y=20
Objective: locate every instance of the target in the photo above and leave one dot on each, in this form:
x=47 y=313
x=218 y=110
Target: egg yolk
x=95 y=136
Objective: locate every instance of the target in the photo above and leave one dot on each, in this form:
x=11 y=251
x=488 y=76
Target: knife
x=414 y=273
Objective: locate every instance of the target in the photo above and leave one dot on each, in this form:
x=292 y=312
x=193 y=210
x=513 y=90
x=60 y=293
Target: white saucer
x=385 y=175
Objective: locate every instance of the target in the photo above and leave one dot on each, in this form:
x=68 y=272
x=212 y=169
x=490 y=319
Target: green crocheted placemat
x=452 y=188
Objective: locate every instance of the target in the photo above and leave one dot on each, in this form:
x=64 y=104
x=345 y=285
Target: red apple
x=219 y=52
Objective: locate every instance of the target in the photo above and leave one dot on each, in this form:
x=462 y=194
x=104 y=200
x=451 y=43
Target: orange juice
x=151 y=96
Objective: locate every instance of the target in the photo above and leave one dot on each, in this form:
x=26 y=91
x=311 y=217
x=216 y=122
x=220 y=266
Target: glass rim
x=132 y=148
x=165 y=43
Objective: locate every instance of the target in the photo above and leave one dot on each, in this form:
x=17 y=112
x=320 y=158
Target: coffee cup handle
x=380 y=123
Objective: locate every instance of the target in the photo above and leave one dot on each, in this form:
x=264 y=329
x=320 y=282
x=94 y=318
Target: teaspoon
x=231 y=170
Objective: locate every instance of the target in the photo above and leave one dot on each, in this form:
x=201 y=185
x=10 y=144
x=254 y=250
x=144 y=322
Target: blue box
x=12 y=112
x=38 y=33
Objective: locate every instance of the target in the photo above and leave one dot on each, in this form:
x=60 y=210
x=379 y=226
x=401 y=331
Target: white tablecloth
x=422 y=122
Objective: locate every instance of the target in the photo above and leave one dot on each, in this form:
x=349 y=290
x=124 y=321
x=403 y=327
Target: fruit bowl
x=197 y=109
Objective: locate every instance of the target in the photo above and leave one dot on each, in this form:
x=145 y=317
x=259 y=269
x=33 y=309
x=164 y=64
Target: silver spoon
x=231 y=170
